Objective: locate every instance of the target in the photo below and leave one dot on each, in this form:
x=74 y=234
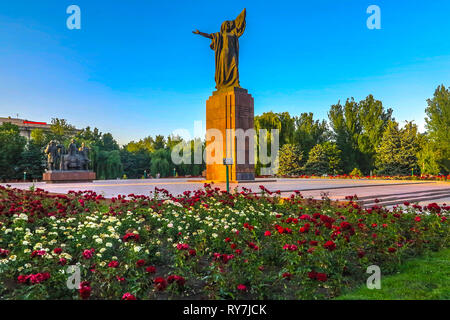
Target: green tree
x=60 y=130
x=280 y=121
x=160 y=163
x=287 y=131
x=32 y=161
x=358 y=129
x=346 y=127
x=195 y=147
x=11 y=147
x=373 y=119
x=107 y=164
x=160 y=142
x=144 y=144
x=438 y=126
x=309 y=132
x=135 y=163
x=398 y=149
x=105 y=153
x=289 y=160
x=38 y=137
x=324 y=158
x=89 y=135
x=267 y=121
x=427 y=156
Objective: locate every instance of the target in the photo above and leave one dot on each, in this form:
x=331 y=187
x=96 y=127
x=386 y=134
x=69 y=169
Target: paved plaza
x=337 y=189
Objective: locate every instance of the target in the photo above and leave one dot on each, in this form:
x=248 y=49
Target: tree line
x=362 y=138
x=358 y=138
x=21 y=158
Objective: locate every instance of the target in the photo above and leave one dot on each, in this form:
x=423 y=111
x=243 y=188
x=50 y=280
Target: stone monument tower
x=230 y=109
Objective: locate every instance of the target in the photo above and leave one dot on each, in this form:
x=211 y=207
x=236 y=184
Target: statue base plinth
x=231 y=108
x=68 y=176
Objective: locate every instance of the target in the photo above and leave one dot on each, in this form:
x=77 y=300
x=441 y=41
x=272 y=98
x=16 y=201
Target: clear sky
x=135 y=69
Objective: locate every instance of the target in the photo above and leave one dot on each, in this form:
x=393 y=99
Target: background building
x=26 y=126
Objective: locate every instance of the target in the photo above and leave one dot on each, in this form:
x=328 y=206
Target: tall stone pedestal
x=233 y=109
x=68 y=176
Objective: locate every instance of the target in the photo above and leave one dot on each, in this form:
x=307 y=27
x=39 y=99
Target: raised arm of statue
x=206 y=35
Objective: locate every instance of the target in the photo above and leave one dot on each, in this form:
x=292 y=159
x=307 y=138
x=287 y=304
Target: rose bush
x=202 y=244
x=425 y=177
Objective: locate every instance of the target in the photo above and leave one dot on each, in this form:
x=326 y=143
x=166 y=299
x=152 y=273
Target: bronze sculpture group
x=74 y=159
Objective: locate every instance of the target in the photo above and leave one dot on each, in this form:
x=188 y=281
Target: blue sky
x=135 y=69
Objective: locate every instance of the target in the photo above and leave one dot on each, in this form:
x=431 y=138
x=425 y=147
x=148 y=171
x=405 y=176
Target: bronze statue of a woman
x=226 y=46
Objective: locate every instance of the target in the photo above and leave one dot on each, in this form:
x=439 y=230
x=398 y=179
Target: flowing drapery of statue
x=226 y=46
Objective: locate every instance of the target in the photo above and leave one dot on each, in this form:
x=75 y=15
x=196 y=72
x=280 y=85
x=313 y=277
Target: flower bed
x=444 y=178
x=206 y=244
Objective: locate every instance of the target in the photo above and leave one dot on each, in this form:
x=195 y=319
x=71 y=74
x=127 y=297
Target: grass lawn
x=424 y=278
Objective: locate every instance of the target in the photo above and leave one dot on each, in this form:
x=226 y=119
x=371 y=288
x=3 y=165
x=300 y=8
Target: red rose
x=38 y=253
x=128 y=296
x=87 y=254
x=392 y=250
x=311 y=250
x=178 y=279
x=287 y=275
x=22 y=279
x=312 y=275
x=330 y=245
x=242 y=287
x=361 y=254
x=57 y=250
x=160 y=284
x=267 y=233
x=150 y=269
x=4 y=252
x=140 y=263
x=85 y=290
x=182 y=246
x=321 y=277
x=130 y=236
x=113 y=264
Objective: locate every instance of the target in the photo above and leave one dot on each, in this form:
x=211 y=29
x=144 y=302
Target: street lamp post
x=228 y=162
